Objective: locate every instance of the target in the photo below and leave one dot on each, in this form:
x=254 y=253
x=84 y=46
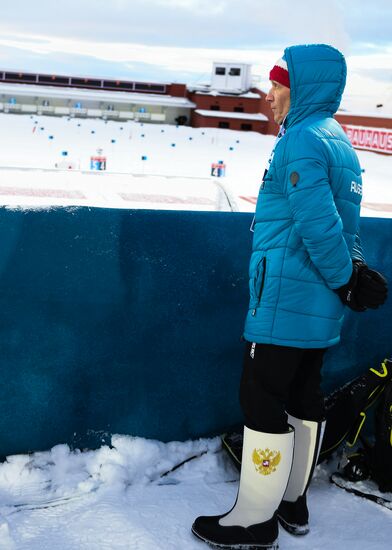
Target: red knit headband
x=279 y=73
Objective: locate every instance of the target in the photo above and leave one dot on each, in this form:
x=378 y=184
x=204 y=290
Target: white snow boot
x=293 y=512
x=252 y=522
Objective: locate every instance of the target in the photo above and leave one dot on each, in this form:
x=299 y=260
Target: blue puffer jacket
x=307 y=213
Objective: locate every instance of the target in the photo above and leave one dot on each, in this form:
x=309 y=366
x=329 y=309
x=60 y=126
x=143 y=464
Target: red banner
x=373 y=139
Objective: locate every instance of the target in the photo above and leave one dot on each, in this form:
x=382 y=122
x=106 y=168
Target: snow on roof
x=373 y=114
x=218 y=93
x=253 y=94
x=367 y=105
x=95 y=95
x=229 y=114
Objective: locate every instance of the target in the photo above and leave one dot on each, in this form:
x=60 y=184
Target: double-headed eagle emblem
x=266 y=461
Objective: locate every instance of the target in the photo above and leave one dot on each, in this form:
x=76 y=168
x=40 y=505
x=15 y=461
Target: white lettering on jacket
x=356 y=188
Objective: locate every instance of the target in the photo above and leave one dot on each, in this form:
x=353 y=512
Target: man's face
x=279 y=99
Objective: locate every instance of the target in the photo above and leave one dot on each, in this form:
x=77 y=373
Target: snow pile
x=99 y=491
x=61 y=473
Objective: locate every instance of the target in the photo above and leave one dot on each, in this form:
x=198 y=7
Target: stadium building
x=231 y=101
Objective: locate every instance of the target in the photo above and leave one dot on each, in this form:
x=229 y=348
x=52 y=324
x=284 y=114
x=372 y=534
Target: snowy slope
x=177 y=164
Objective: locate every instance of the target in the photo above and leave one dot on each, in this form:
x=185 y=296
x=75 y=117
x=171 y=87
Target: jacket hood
x=317 y=80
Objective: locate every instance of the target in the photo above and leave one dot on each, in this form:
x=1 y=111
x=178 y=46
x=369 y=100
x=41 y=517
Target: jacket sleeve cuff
x=344 y=279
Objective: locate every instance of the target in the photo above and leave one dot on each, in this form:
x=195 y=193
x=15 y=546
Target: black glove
x=371 y=289
x=347 y=292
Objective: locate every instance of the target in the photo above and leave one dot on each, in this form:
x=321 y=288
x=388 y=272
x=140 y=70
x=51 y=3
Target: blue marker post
x=144 y=159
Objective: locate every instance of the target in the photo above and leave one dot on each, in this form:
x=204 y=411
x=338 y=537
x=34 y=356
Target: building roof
x=94 y=95
x=250 y=95
x=229 y=114
x=370 y=114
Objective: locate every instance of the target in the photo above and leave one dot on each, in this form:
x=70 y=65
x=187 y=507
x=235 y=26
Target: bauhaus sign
x=373 y=139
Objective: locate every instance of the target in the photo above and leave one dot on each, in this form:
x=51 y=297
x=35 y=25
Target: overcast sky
x=177 y=40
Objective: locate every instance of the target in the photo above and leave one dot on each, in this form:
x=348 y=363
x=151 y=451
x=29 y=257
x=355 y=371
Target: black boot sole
x=253 y=546
x=294 y=529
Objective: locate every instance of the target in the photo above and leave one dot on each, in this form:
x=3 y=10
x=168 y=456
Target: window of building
x=86 y=82
x=118 y=85
x=20 y=77
x=234 y=71
x=246 y=126
x=145 y=87
x=238 y=109
x=223 y=124
x=214 y=108
x=220 y=70
x=53 y=80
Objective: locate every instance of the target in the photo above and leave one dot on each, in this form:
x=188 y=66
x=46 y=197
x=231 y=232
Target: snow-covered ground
x=175 y=172
x=119 y=498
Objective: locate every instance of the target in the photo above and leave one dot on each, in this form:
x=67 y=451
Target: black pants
x=277 y=380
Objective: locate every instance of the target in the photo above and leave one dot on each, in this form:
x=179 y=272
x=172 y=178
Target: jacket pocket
x=258 y=283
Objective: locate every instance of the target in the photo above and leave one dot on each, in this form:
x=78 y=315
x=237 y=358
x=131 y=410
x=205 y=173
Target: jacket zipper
x=263 y=263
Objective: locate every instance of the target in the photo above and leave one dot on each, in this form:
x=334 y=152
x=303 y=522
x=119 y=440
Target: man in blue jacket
x=306 y=265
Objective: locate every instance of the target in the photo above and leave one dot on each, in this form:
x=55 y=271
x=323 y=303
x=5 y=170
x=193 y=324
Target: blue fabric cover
x=118 y=321
x=307 y=213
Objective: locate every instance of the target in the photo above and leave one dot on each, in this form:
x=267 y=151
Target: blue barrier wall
x=118 y=321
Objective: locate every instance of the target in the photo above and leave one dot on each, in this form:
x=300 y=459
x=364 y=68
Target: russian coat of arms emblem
x=266 y=461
